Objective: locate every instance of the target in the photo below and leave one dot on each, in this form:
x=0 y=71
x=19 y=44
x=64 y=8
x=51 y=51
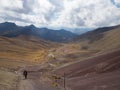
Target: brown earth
x=101 y=72
x=24 y=48
x=19 y=52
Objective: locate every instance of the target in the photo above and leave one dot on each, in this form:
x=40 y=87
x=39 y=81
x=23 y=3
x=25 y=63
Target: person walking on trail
x=25 y=73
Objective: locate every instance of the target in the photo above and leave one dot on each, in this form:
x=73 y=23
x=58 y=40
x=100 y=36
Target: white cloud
x=117 y=1
x=61 y=13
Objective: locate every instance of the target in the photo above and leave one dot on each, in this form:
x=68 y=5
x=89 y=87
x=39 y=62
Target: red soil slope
x=101 y=72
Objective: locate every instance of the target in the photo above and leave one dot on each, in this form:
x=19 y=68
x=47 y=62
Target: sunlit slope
x=110 y=40
x=8 y=80
x=98 y=71
x=24 y=48
x=100 y=39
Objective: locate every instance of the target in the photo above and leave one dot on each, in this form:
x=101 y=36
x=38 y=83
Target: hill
x=100 y=39
x=99 y=72
x=24 y=48
x=95 y=34
x=12 y=30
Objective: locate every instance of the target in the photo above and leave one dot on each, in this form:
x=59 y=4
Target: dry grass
x=8 y=80
x=24 y=49
x=111 y=40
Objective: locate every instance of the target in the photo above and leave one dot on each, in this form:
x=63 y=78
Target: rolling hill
x=24 y=48
x=96 y=73
x=100 y=39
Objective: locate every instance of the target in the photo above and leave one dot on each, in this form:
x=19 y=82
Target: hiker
x=25 y=74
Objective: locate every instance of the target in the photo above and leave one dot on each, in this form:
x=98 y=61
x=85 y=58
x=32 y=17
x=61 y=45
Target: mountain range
x=12 y=30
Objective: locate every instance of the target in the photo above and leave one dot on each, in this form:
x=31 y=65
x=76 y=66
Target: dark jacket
x=25 y=72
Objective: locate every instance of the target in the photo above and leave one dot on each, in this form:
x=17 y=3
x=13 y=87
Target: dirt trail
x=33 y=85
x=33 y=82
x=26 y=85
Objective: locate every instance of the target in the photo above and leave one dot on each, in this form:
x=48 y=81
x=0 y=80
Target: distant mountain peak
x=9 y=23
x=62 y=29
x=32 y=26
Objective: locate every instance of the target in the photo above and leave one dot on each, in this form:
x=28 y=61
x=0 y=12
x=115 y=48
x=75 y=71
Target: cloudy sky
x=61 y=13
